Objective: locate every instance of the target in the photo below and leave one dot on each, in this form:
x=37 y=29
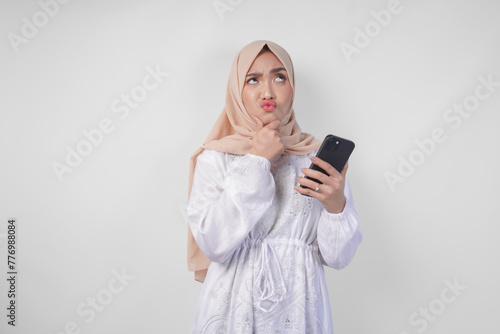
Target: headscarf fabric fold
x=234 y=130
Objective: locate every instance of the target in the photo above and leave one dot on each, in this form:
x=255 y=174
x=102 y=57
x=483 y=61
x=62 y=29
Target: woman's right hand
x=267 y=141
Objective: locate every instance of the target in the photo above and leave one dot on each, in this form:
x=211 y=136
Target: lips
x=268 y=105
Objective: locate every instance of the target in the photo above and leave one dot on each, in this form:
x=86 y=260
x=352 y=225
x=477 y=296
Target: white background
x=123 y=206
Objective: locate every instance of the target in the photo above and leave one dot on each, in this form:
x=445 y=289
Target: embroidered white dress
x=267 y=244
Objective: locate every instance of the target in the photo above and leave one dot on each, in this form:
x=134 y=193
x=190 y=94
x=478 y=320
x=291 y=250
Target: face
x=267 y=93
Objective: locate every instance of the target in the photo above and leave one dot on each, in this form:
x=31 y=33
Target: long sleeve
x=227 y=200
x=339 y=234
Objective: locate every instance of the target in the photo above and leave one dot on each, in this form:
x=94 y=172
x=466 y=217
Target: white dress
x=267 y=244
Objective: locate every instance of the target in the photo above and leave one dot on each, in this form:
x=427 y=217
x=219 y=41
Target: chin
x=267 y=117
x=268 y=120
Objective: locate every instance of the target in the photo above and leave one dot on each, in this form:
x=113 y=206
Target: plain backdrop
x=121 y=210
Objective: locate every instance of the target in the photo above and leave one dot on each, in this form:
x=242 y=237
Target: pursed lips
x=268 y=105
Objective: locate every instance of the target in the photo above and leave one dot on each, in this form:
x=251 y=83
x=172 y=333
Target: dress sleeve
x=339 y=234
x=227 y=200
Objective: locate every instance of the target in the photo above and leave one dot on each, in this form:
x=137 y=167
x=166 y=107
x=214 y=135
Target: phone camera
x=334 y=144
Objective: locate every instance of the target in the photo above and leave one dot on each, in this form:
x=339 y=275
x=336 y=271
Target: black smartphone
x=334 y=150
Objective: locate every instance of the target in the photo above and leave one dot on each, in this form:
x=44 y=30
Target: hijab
x=234 y=129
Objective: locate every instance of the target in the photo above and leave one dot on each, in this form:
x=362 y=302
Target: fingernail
x=312 y=158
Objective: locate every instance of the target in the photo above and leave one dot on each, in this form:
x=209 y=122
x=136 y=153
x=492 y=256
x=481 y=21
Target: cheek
x=287 y=97
x=246 y=97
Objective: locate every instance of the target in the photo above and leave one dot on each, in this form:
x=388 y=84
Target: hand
x=267 y=141
x=331 y=193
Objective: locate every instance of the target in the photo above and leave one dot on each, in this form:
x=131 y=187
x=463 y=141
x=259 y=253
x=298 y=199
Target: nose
x=268 y=91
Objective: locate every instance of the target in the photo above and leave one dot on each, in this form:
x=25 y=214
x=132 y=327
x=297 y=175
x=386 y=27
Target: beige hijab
x=234 y=130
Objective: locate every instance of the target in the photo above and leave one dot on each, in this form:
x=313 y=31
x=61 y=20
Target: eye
x=280 y=78
x=252 y=81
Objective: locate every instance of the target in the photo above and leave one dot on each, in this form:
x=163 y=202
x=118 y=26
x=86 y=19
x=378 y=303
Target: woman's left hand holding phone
x=331 y=192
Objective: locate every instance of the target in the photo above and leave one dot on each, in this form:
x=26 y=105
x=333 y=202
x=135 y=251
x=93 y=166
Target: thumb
x=259 y=122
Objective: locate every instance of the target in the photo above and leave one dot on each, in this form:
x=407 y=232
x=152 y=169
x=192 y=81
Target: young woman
x=257 y=243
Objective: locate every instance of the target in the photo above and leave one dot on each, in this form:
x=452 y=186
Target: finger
x=259 y=122
x=306 y=191
x=325 y=165
x=315 y=174
x=344 y=170
x=274 y=124
x=307 y=182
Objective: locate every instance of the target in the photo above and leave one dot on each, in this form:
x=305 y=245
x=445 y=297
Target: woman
x=258 y=244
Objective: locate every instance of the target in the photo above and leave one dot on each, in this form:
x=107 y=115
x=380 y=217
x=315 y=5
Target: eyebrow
x=274 y=70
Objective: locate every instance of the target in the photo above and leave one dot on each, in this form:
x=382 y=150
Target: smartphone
x=334 y=150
